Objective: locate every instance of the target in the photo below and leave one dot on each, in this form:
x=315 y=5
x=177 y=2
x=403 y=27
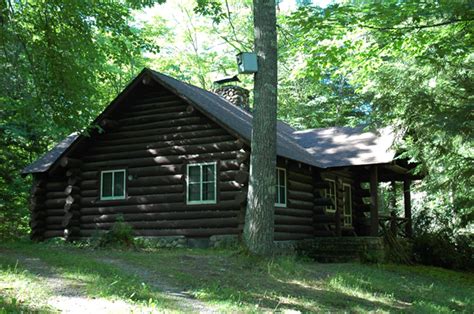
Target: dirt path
x=185 y=300
x=68 y=295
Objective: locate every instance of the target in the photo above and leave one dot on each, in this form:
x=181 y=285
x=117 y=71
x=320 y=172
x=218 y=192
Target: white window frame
x=189 y=202
x=348 y=216
x=328 y=209
x=278 y=185
x=109 y=198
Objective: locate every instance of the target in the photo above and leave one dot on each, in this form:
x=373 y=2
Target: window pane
x=107 y=184
x=208 y=173
x=282 y=199
x=208 y=193
x=282 y=178
x=194 y=191
x=119 y=181
x=194 y=174
x=347 y=200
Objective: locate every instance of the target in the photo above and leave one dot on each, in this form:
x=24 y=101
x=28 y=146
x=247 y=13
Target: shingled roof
x=312 y=147
x=344 y=146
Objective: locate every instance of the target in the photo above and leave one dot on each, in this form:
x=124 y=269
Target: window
x=201 y=183
x=112 y=185
x=330 y=192
x=280 y=187
x=347 y=204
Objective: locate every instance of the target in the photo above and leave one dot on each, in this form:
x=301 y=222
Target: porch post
x=407 y=201
x=374 y=201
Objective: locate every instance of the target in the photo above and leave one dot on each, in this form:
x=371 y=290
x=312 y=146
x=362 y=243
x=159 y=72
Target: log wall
x=153 y=137
x=295 y=221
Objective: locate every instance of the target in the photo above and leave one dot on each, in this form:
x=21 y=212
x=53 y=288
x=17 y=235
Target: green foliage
x=411 y=65
x=120 y=235
x=444 y=247
x=61 y=61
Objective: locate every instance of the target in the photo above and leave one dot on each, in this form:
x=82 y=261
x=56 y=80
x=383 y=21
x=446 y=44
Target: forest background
x=406 y=64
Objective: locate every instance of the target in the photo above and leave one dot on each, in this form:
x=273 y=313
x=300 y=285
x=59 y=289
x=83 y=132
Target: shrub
x=120 y=235
x=444 y=249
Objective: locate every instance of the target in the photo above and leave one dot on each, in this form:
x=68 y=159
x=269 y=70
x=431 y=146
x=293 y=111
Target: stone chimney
x=237 y=95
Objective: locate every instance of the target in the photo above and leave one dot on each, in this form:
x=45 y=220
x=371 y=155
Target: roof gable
x=350 y=146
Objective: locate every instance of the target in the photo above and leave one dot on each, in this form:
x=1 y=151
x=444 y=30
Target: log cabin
x=172 y=159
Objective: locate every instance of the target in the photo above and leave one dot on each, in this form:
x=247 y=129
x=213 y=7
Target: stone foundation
x=343 y=249
x=223 y=241
x=163 y=242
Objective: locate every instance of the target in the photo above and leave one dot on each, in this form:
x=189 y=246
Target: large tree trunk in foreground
x=259 y=217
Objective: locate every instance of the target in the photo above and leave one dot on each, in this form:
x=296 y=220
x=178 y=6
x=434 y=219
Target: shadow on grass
x=77 y=270
x=305 y=286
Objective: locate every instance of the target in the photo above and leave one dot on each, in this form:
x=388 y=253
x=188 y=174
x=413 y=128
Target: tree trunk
x=259 y=217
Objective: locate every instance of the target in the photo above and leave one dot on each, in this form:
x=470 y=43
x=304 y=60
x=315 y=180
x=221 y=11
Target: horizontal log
x=55 y=203
x=55 y=212
x=162 y=160
x=285 y=236
x=56 y=186
x=167 y=151
x=160 y=216
x=54 y=219
x=150 y=199
x=300 y=186
x=158 y=134
x=242 y=177
x=203 y=232
x=140 y=171
x=158 y=104
x=293 y=212
x=73 y=172
x=71 y=231
x=71 y=207
x=241 y=197
x=164 y=127
x=141 y=113
x=321 y=185
x=71 y=189
x=294 y=229
x=37 y=190
x=67 y=162
x=307 y=179
x=291 y=220
x=163 y=207
x=154 y=117
x=291 y=203
x=37 y=200
x=74 y=180
x=73 y=199
x=69 y=222
x=301 y=196
x=170 y=224
x=35 y=224
x=198 y=148
x=53 y=195
x=204 y=137
x=327 y=218
x=323 y=202
x=53 y=234
x=130 y=200
x=108 y=124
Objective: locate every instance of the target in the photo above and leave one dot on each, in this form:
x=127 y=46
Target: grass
x=234 y=282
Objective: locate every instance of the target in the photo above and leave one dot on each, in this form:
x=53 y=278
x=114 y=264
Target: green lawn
x=229 y=281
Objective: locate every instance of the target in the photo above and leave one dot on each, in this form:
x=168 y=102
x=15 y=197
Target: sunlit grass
x=234 y=282
x=20 y=291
